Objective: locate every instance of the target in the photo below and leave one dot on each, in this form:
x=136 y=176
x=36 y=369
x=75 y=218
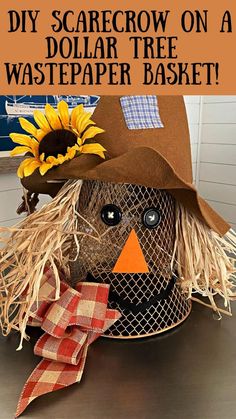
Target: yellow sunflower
x=61 y=136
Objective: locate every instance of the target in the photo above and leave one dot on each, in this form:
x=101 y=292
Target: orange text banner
x=117 y=47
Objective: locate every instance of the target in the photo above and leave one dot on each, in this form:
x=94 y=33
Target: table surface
x=188 y=373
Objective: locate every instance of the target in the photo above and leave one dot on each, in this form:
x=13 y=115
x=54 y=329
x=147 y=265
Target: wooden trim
x=9 y=164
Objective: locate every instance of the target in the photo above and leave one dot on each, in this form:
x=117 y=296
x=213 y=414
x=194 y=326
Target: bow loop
x=67 y=349
x=91 y=311
x=60 y=313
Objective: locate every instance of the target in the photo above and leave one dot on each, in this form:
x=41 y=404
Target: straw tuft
x=41 y=240
x=206 y=262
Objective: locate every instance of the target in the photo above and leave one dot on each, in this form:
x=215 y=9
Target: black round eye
x=151 y=217
x=111 y=215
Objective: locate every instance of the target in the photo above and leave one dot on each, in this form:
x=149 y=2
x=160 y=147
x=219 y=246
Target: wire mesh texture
x=101 y=245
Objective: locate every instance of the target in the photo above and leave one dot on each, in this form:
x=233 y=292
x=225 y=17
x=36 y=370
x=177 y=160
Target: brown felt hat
x=153 y=157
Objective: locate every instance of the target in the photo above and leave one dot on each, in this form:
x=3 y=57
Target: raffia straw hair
x=42 y=239
x=206 y=262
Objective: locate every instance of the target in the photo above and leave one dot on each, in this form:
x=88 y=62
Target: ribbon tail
x=50 y=376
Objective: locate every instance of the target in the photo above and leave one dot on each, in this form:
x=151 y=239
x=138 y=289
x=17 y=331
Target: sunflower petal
x=75 y=113
x=61 y=159
x=20 y=150
x=40 y=134
x=22 y=139
x=26 y=141
x=27 y=126
x=71 y=152
x=31 y=167
x=42 y=157
x=75 y=131
x=35 y=150
x=45 y=167
x=24 y=163
x=41 y=121
x=79 y=141
x=63 y=110
x=83 y=121
x=93 y=149
x=20 y=172
x=51 y=159
x=91 y=132
x=74 y=147
x=52 y=117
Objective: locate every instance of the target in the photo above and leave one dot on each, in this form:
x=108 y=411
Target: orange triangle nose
x=131 y=259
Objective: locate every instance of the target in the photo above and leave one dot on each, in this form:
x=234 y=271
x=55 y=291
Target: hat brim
x=126 y=168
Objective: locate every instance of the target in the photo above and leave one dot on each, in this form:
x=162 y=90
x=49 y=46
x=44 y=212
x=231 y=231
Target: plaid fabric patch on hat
x=141 y=112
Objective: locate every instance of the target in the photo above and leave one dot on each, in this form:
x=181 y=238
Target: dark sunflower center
x=56 y=142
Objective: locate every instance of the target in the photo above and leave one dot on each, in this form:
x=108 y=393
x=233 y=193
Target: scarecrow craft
x=124 y=244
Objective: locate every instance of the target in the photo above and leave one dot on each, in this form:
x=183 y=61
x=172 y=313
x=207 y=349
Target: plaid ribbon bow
x=71 y=324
